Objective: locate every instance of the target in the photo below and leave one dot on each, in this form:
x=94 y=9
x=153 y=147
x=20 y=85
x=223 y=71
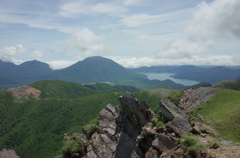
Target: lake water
x=165 y=76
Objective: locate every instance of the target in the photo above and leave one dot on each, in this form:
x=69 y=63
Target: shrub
x=159 y=125
x=154 y=121
x=193 y=150
x=70 y=149
x=187 y=141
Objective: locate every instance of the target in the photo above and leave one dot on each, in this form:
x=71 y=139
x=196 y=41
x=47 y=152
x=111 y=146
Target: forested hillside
x=35 y=128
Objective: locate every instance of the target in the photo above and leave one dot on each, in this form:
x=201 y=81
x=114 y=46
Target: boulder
x=179 y=125
x=163 y=143
x=197 y=128
x=169 y=111
x=178 y=120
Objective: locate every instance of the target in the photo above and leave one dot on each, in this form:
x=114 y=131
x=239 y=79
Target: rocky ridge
x=132 y=130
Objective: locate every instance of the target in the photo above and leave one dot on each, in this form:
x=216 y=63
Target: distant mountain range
x=91 y=70
x=211 y=74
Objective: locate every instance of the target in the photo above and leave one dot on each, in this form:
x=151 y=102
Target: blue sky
x=131 y=32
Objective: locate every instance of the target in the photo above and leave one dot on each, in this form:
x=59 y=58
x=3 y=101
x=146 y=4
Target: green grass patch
x=222 y=112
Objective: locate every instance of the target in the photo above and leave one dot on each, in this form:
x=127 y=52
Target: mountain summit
x=95 y=69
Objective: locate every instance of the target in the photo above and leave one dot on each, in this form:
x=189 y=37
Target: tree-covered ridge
x=70 y=90
x=34 y=128
x=232 y=84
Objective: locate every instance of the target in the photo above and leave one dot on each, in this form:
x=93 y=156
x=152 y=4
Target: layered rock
x=193 y=97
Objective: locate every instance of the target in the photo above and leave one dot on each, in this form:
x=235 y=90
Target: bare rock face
x=193 y=97
x=25 y=92
x=7 y=153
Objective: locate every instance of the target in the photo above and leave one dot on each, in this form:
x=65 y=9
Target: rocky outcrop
x=7 y=153
x=25 y=92
x=193 y=97
x=178 y=120
x=132 y=131
x=119 y=128
x=169 y=111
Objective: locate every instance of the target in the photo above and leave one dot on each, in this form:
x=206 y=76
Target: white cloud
x=219 y=19
x=184 y=49
x=134 y=2
x=78 y=8
x=211 y=22
x=136 y=20
x=9 y=53
x=140 y=19
x=60 y=64
x=134 y=62
x=37 y=54
x=86 y=42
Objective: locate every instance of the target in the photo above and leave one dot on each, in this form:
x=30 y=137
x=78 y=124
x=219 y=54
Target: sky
x=133 y=33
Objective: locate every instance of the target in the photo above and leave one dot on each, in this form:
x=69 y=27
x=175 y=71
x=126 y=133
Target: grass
x=222 y=111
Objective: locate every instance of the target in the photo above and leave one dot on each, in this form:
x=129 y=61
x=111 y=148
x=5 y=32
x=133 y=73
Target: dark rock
x=214 y=146
x=203 y=154
x=179 y=125
x=197 y=128
x=163 y=143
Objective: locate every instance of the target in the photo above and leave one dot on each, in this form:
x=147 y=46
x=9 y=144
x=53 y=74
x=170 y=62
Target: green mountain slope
x=231 y=84
x=62 y=89
x=95 y=69
x=69 y=90
x=34 y=128
x=222 y=112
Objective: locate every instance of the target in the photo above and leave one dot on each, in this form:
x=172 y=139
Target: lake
x=165 y=76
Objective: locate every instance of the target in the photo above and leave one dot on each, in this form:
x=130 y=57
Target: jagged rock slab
x=169 y=111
